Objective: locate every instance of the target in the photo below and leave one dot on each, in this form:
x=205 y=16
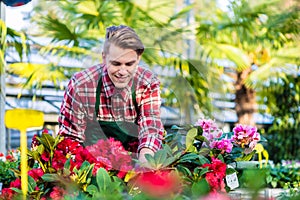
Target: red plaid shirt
x=79 y=101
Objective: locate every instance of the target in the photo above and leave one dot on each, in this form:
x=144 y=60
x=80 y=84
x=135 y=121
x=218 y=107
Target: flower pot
x=245 y=164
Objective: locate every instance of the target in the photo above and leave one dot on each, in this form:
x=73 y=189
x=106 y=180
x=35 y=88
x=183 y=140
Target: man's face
x=121 y=65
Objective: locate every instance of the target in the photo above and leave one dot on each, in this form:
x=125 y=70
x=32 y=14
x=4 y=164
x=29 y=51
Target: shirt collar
x=110 y=90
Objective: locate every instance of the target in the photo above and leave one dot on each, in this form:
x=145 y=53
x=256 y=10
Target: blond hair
x=123 y=37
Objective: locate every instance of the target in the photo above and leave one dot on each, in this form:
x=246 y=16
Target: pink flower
x=246 y=137
x=57 y=193
x=210 y=129
x=112 y=156
x=224 y=145
x=207 y=124
x=216 y=196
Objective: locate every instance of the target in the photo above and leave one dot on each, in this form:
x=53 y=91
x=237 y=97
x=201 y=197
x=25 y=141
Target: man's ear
x=139 y=58
x=103 y=58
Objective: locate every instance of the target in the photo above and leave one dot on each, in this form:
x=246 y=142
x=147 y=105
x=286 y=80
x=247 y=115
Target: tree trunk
x=245 y=99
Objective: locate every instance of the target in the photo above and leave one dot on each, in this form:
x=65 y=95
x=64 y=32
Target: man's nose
x=122 y=69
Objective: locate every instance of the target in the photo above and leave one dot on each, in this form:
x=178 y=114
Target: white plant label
x=232 y=181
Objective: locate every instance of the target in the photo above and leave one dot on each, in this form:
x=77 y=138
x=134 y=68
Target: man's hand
x=142 y=154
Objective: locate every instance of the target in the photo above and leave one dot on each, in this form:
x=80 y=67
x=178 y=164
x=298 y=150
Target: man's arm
x=71 y=118
x=150 y=126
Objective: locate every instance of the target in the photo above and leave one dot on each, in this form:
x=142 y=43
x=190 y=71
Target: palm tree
x=9 y=39
x=250 y=38
x=76 y=30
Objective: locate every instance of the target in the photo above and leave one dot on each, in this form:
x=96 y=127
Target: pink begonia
x=224 y=145
x=210 y=129
x=246 y=137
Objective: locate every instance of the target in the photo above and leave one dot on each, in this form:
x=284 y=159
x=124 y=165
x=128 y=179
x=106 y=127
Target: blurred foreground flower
x=159 y=184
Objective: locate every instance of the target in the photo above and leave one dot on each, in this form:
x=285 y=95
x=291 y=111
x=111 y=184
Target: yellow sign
x=22 y=119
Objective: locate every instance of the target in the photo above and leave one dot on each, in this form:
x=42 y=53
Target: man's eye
x=116 y=63
x=130 y=63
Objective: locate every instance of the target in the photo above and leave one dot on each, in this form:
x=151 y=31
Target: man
x=116 y=99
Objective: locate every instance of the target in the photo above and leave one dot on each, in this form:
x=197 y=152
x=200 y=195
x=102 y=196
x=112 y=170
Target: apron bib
x=125 y=132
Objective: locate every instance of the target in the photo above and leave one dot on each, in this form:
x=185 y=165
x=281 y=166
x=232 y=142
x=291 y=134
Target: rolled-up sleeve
x=150 y=125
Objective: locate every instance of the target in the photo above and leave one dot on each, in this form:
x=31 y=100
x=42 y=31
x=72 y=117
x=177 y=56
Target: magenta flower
x=246 y=137
x=224 y=145
x=210 y=129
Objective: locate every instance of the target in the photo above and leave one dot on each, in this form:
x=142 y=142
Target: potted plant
x=8 y=165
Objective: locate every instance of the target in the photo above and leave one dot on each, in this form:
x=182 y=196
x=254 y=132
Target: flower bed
x=193 y=164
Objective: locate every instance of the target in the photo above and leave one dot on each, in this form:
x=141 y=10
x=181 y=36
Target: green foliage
x=281 y=176
x=106 y=187
x=7 y=173
x=282 y=98
x=200 y=188
x=247 y=181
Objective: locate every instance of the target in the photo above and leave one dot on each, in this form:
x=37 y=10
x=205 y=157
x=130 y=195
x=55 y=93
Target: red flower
x=215 y=177
x=159 y=184
x=34 y=142
x=16 y=183
x=45 y=131
x=10 y=157
x=58 y=160
x=57 y=193
x=7 y=193
x=45 y=156
x=36 y=173
x=68 y=146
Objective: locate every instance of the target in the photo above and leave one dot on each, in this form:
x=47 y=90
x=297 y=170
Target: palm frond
x=226 y=51
x=37 y=74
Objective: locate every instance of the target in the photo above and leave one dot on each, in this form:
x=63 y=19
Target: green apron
x=125 y=132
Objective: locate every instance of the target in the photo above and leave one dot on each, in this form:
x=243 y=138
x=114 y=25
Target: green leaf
x=200 y=188
x=151 y=161
x=189 y=141
x=169 y=161
x=50 y=177
x=274 y=184
x=88 y=7
x=86 y=172
x=31 y=184
x=189 y=157
x=203 y=171
x=103 y=179
x=246 y=157
x=160 y=157
x=204 y=151
x=92 y=189
x=203 y=160
x=67 y=164
x=184 y=170
x=220 y=157
x=47 y=140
